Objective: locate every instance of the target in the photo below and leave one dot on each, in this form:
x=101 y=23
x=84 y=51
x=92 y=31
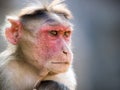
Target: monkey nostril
x=65 y=52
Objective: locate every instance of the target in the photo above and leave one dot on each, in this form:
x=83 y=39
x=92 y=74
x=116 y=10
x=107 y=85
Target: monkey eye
x=67 y=33
x=53 y=32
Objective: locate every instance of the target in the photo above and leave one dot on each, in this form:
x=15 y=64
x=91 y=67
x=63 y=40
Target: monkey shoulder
x=16 y=75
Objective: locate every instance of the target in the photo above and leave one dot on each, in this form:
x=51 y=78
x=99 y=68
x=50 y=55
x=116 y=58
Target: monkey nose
x=65 y=52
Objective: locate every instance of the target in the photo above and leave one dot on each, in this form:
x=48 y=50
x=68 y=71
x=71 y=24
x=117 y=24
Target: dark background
x=96 y=41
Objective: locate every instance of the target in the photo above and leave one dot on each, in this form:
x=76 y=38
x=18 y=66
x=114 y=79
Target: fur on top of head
x=56 y=6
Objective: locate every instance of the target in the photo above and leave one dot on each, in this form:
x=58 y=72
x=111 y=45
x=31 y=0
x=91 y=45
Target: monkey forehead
x=59 y=27
x=48 y=19
x=56 y=20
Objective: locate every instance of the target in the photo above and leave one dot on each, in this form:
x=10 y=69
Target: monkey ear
x=13 y=33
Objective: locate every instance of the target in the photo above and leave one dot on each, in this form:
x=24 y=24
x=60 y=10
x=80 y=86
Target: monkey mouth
x=59 y=62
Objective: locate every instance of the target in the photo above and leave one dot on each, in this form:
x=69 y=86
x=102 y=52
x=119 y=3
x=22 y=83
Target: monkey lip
x=59 y=62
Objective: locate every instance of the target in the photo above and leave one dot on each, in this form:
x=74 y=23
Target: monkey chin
x=58 y=67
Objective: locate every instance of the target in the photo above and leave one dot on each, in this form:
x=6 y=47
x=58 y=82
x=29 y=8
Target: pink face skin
x=52 y=47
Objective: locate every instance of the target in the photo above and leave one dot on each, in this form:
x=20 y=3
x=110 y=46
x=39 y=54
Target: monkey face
x=51 y=42
x=53 y=47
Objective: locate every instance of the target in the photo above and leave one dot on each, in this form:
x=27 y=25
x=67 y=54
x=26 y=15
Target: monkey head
x=44 y=38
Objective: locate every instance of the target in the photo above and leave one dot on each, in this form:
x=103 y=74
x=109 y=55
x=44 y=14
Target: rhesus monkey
x=39 y=55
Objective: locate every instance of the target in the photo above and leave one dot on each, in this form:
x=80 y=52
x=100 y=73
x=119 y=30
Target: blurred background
x=96 y=41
